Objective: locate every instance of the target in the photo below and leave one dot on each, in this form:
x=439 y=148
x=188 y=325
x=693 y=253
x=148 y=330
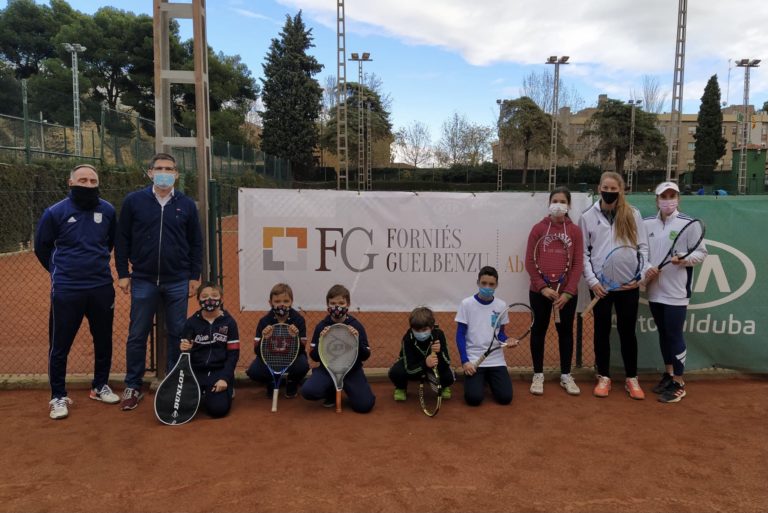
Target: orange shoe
x=603 y=386
x=632 y=387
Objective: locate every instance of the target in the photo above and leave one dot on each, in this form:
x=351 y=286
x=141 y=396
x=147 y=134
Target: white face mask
x=667 y=206
x=558 y=209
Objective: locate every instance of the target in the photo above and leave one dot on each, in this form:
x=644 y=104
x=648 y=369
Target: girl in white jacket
x=609 y=223
x=669 y=290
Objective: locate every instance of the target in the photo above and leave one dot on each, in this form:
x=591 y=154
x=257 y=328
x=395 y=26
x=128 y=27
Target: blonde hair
x=626 y=229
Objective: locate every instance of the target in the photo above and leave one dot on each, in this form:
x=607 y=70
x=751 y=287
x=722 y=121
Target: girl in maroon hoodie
x=544 y=297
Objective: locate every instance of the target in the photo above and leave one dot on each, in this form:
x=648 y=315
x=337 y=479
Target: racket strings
x=338 y=350
x=621 y=266
x=552 y=259
x=687 y=240
x=280 y=349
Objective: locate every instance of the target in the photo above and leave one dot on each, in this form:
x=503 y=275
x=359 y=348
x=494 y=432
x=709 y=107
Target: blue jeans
x=146 y=296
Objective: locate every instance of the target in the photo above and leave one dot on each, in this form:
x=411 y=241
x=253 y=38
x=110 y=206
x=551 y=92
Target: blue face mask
x=163 y=180
x=421 y=336
x=486 y=291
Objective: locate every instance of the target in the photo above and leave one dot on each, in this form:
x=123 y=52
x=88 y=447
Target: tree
x=765 y=106
x=451 y=149
x=539 y=87
x=26 y=31
x=381 y=126
x=463 y=142
x=291 y=95
x=413 y=142
x=524 y=126
x=710 y=143
x=653 y=98
x=611 y=126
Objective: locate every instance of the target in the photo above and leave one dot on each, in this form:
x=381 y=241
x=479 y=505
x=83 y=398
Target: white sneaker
x=570 y=386
x=537 y=385
x=59 y=408
x=105 y=395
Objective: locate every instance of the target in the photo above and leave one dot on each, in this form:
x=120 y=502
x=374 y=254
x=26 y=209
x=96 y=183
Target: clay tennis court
x=550 y=453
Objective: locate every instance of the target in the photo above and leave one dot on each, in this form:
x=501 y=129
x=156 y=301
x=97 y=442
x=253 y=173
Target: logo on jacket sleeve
x=97 y=216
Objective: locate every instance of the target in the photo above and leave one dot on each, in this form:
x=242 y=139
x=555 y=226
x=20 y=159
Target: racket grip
x=479 y=361
x=275 y=393
x=338 y=401
x=590 y=306
x=557 y=313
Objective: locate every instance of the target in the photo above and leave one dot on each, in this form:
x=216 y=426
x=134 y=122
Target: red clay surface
x=550 y=453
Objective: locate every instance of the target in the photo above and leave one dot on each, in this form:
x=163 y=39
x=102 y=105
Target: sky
x=437 y=57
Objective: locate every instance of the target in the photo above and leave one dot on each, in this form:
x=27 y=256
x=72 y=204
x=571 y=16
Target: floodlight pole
x=342 y=171
x=677 y=93
x=553 y=143
x=742 y=179
x=74 y=49
x=361 y=169
x=499 y=172
x=630 y=169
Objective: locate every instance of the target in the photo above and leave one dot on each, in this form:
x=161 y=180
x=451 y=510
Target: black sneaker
x=269 y=391
x=673 y=393
x=329 y=402
x=666 y=379
x=292 y=389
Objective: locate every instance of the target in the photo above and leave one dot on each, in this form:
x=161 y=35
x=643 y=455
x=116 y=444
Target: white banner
x=393 y=250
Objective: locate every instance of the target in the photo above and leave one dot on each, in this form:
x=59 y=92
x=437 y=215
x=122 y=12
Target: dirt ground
x=551 y=453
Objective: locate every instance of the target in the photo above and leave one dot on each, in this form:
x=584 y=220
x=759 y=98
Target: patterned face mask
x=210 y=304
x=337 y=311
x=280 y=311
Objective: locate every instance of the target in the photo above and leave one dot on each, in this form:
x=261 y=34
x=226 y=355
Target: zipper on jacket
x=160 y=242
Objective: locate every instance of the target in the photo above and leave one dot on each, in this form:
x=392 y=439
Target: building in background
x=572 y=126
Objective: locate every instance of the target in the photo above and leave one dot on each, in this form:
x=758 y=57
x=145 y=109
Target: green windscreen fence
x=727 y=319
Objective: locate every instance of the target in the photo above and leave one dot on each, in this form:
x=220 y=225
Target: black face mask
x=609 y=197
x=86 y=198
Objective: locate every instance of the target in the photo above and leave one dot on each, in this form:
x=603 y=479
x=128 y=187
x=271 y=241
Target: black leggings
x=626 y=319
x=542 y=311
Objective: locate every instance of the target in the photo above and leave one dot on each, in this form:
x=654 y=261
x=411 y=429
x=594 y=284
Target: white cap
x=666 y=185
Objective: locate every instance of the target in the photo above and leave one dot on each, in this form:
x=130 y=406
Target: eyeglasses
x=163 y=169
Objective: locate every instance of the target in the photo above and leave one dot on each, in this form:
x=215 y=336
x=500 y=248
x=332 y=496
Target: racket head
x=520 y=322
x=686 y=241
x=177 y=398
x=552 y=259
x=621 y=266
x=279 y=351
x=338 y=352
x=430 y=392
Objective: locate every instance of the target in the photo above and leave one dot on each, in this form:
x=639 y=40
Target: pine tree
x=291 y=95
x=710 y=143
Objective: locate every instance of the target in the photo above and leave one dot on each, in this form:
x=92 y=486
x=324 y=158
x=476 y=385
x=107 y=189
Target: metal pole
x=42 y=134
x=342 y=171
x=25 y=110
x=742 y=178
x=369 y=150
x=553 y=143
x=73 y=49
x=499 y=172
x=677 y=93
x=630 y=171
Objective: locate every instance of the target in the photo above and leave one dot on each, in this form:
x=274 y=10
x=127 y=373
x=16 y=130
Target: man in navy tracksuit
x=73 y=241
x=159 y=233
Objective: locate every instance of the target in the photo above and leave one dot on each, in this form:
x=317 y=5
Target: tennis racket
x=178 y=396
x=622 y=266
x=552 y=258
x=278 y=352
x=686 y=241
x=430 y=391
x=338 y=353
x=518 y=318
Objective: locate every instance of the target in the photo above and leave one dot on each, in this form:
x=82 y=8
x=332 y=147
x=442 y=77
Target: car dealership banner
x=397 y=250
x=393 y=250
